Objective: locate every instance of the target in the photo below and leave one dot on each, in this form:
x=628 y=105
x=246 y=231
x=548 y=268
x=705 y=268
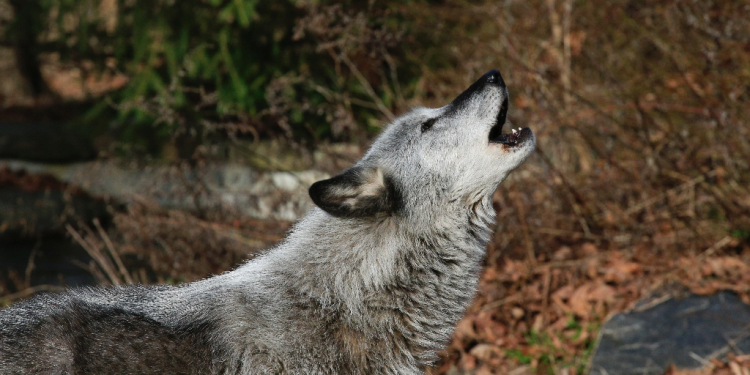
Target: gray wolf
x=371 y=281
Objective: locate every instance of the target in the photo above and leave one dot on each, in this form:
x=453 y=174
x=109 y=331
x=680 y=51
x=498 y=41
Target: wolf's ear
x=358 y=192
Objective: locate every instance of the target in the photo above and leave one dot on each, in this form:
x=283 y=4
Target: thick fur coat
x=372 y=281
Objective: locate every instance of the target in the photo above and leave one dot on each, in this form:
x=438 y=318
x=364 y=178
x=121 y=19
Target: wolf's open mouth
x=496 y=133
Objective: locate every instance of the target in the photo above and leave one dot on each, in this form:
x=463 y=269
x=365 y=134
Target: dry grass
x=167 y=246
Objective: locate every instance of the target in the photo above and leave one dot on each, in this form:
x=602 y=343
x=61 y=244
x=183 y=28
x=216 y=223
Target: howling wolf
x=371 y=281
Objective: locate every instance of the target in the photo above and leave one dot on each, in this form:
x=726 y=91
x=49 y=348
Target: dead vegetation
x=639 y=184
x=167 y=246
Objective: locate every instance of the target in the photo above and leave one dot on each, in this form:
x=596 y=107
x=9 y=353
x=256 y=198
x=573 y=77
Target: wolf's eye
x=428 y=124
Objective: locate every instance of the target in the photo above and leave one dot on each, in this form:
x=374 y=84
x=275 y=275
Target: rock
x=234 y=188
x=685 y=332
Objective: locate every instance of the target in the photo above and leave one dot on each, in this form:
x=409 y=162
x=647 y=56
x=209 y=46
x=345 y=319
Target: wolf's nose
x=494 y=77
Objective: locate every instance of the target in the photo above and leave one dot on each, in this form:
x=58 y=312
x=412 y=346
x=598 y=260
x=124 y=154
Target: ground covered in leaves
x=540 y=317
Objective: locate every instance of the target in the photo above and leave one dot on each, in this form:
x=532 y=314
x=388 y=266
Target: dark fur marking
x=327 y=194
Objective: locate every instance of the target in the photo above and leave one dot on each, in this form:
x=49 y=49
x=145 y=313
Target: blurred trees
x=640 y=108
x=195 y=66
x=24 y=37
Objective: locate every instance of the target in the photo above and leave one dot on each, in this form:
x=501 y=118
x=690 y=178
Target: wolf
x=371 y=281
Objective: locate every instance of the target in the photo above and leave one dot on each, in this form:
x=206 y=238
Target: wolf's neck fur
x=387 y=288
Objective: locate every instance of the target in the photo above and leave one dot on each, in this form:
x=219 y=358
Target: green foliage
x=166 y=47
x=518 y=355
x=288 y=67
x=741 y=234
x=569 y=350
x=170 y=50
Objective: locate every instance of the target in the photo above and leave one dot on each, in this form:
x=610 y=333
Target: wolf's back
x=68 y=333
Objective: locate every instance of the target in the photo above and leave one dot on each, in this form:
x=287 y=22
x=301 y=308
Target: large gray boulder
x=686 y=332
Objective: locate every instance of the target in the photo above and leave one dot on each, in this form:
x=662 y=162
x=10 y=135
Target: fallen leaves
x=735 y=365
x=543 y=317
x=590 y=298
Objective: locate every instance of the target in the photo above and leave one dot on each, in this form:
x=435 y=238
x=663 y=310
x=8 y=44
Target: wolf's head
x=432 y=158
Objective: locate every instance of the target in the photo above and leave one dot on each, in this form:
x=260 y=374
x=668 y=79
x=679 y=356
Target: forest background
x=639 y=183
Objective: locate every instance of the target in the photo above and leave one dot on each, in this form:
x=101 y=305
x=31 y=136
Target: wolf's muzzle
x=491 y=78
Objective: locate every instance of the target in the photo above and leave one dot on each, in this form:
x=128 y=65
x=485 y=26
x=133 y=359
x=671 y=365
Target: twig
x=700 y=359
x=111 y=247
x=331 y=96
x=524 y=228
x=518 y=297
x=30 y=265
x=573 y=194
x=143 y=276
x=95 y=254
x=542 y=268
x=545 y=294
x=652 y=303
x=665 y=48
x=650 y=201
x=368 y=88
x=718 y=245
x=732 y=343
x=571 y=234
x=708 y=252
x=394 y=79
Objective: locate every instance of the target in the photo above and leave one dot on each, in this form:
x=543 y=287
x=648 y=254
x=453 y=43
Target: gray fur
x=371 y=282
